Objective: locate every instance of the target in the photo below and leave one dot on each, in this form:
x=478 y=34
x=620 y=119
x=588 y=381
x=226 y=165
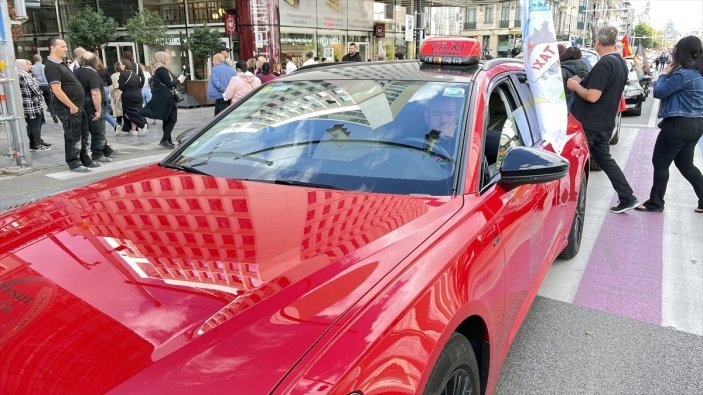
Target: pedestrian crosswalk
x=645 y=266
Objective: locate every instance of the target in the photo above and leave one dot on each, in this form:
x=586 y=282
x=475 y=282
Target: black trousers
x=76 y=136
x=98 y=140
x=599 y=144
x=676 y=143
x=34 y=131
x=170 y=123
x=221 y=104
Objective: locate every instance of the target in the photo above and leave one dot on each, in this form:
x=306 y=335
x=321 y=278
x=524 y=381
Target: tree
x=91 y=29
x=647 y=33
x=146 y=28
x=204 y=42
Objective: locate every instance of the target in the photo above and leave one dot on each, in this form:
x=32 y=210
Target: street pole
x=418 y=28
x=11 y=109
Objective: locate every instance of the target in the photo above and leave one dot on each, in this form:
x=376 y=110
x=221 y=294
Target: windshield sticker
x=454 y=92
x=279 y=88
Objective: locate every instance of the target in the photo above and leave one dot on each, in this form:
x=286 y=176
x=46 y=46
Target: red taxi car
x=348 y=229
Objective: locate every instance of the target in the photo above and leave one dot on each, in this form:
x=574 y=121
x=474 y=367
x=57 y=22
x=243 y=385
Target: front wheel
x=576 y=231
x=456 y=371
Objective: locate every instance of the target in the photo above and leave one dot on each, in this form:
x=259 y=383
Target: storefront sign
x=332 y=14
x=230 y=24
x=409 y=27
x=379 y=30
x=298 y=13
x=360 y=15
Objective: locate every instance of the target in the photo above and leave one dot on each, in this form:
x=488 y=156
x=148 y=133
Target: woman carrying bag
x=163 y=104
x=132 y=100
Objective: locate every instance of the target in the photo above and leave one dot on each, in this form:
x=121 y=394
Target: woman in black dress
x=132 y=100
x=162 y=104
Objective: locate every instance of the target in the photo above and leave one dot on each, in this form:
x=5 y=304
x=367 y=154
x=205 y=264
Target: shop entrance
x=363 y=49
x=112 y=52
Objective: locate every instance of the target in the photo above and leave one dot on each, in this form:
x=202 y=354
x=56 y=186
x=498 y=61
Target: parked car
x=349 y=228
x=634 y=94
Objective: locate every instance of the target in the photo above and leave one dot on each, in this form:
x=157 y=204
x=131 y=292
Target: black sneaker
x=45 y=144
x=167 y=145
x=93 y=165
x=622 y=207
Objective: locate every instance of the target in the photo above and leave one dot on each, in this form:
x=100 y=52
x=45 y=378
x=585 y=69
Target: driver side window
x=501 y=131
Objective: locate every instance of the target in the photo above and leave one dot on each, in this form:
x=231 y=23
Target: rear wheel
x=574 y=240
x=638 y=110
x=456 y=371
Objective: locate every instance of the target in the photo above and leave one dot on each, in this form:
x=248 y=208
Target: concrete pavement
x=128 y=146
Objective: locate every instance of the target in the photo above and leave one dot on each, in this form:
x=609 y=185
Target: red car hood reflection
x=159 y=281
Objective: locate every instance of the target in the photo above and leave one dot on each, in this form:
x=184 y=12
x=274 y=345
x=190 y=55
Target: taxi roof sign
x=450 y=50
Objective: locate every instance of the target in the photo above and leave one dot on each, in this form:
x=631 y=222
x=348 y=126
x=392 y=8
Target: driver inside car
x=441 y=118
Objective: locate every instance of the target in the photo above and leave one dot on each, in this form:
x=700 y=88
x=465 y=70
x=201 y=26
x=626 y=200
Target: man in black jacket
x=352 y=56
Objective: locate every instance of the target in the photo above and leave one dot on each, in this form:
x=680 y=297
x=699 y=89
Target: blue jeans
x=106 y=108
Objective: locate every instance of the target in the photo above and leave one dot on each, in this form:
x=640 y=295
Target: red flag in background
x=626 y=49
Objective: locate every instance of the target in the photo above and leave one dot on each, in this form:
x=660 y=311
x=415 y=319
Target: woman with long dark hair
x=131 y=86
x=162 y=104
x=680 y=89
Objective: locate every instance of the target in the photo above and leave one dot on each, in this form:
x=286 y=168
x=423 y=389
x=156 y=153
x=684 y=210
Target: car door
x=518 y=212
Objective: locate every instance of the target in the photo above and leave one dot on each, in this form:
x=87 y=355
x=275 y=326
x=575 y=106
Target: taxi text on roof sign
x=455 y=50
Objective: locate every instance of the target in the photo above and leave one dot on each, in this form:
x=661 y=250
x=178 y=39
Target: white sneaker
x=133 y=133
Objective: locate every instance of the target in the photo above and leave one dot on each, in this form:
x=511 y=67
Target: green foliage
x=147 y=28
x=643 y=29
x=204 y=42
x=90 y=29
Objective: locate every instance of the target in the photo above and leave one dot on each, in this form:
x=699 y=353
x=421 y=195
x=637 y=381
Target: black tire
x=576 y=231
x=456 y=371
x=618 y=123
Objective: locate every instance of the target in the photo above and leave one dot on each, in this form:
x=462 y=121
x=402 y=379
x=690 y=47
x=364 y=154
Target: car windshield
x=396 y=137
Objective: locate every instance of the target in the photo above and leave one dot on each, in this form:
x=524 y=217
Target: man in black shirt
x=92 y=84
x=596 y=102
x=352 y=56
x=68 y=107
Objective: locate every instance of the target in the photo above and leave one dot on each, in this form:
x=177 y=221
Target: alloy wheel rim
x=459 y=383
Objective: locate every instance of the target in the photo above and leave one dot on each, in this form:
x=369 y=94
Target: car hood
x=162 y=281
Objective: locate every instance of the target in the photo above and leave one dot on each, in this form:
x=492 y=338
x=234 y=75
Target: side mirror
x=525 y=165
x=187 y=135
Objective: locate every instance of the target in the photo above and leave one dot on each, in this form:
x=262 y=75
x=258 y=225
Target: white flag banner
x=541 y=58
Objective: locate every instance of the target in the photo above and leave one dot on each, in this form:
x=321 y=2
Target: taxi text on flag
x=544 y=71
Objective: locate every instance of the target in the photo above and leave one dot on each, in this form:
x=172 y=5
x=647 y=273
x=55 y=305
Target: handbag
x=177 y=96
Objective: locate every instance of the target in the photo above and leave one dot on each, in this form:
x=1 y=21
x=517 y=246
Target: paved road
x=624 y=317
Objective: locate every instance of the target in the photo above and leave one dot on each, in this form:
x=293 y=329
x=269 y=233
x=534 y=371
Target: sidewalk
x=128 y=146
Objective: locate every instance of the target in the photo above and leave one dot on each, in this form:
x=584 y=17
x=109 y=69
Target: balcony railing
x=504 y=24
x=470 y=25
x=517 y=23
x=199 y=12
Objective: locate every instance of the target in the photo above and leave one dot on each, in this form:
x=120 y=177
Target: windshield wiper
x=184 y=168
x=299 y=184
x=228 y=154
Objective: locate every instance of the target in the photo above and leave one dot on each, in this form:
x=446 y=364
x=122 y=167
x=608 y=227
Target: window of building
x=488 y=14
x=505 y=11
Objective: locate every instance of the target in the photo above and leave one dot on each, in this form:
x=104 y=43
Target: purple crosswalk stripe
x=624 y=271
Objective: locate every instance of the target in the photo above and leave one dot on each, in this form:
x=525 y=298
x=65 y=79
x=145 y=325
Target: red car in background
x=349 y=228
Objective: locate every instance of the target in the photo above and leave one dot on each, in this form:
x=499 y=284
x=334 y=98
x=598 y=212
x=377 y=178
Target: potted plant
x=202 y=42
